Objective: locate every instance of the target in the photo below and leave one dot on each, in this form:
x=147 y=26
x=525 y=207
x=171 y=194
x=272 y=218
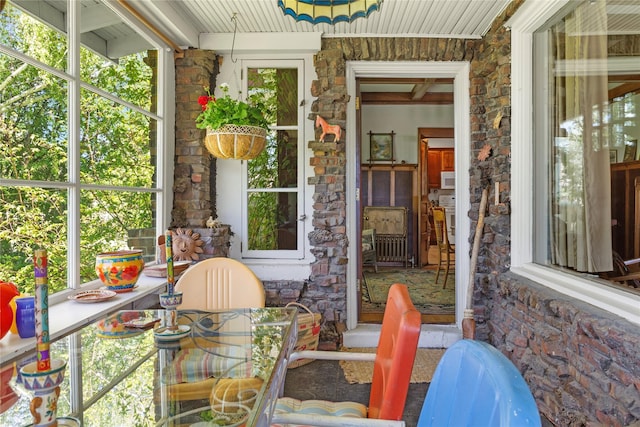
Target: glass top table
x=217 y=368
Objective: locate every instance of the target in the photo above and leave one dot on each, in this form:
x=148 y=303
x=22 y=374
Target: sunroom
x=101 y=151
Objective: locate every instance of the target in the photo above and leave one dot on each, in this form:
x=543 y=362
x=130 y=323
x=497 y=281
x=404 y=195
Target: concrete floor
x=324 y=379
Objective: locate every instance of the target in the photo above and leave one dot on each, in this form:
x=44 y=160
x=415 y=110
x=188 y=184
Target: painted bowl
x=171 y=300
x=120 y=270
x=114 y=326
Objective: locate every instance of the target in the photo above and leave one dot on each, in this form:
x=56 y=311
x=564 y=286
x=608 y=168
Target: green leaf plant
x=217 y=112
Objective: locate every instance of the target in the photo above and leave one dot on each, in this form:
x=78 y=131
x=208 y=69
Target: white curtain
x=581 y=189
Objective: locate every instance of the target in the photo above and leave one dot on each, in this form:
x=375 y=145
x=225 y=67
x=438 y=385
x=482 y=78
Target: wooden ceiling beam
x=403 y=81
x=420 y=89
x=399 y=98
x=624 y=78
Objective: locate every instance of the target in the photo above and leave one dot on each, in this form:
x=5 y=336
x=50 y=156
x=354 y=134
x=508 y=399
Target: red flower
x=129 y=272
x=204 y=100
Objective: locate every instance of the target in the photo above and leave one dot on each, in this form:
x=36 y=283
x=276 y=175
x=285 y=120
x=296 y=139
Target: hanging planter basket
x=235 y=142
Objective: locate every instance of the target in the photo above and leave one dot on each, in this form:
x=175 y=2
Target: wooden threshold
x=426 y=318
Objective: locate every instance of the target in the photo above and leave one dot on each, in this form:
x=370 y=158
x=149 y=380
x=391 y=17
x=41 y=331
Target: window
x=273 y=191
x=588 y=120
x=80 y=143
x=583 y=63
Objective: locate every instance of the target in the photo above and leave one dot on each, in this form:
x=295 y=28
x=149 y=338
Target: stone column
x=194 y=198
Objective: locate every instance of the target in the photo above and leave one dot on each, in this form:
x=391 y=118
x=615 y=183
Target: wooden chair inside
x=369 y=256
x=627 y=271
x=446 y=250
x=624 y=271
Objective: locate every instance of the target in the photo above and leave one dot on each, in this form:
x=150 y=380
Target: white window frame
x=64 y=314
x=531 y=16
x=164 y=118
x=264 y=47
x=298 y=253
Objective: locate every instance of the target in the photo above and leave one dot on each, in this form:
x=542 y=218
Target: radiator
x=391 y=248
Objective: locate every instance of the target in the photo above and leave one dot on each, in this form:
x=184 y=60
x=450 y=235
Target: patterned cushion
x=195 y=364
x=319 y=407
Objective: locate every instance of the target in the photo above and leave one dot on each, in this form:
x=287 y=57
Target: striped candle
x=42 y=310
x=169 y=246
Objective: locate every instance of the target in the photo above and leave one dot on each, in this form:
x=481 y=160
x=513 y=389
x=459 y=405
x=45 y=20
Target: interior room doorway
x=459 y=71
x=396 y=181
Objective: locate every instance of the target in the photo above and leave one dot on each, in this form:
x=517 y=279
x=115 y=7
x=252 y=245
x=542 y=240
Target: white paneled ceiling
x=182 y=22
x=184 y=19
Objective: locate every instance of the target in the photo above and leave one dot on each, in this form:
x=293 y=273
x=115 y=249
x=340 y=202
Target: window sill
x=608 y=298
x=67 y=316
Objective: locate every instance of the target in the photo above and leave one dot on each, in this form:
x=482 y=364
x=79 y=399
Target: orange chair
x=393 y=364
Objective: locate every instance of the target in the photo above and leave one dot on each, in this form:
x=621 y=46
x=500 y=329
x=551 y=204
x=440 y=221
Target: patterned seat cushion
x=195 y=364
x=319 y=407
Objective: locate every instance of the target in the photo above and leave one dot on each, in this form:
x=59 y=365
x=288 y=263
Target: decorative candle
x=42 y=310
x=169 y=246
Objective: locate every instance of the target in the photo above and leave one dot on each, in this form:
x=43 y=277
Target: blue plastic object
x=476 y=385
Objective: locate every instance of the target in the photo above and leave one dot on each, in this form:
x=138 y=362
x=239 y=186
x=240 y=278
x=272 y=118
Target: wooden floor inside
x=372 y=313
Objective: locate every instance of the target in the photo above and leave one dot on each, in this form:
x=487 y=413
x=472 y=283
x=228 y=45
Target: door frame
x=423 y=191
x=459 y=71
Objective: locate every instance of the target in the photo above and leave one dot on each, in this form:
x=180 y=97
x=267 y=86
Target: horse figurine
x=336 y=130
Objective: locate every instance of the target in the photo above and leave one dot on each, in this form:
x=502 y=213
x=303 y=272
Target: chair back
x=219 y=284
x=440 y=224
x=475 y=384
x=395 y=355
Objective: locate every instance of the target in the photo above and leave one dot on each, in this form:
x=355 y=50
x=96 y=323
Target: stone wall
x=327 y=288
x=195 y=169
x=580 y=362
x=490 y=96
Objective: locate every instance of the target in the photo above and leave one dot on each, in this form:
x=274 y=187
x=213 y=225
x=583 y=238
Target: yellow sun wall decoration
x=187 y=245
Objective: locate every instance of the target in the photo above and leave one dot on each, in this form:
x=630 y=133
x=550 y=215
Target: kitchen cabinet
x=438 y=160
x=448 y=160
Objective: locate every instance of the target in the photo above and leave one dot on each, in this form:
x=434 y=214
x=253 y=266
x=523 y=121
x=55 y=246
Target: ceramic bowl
x=119 y=270
x=171 y=300
x=114 y=326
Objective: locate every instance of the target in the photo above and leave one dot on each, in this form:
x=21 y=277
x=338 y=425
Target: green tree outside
x=115 y=147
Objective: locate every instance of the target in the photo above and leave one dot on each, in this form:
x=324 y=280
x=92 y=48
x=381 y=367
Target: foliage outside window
x=273 y=191
x=56 y=183
x=103 y=360
x=591 y=107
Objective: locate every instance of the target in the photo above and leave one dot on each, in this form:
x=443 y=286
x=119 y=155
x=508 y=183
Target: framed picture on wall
x=381 y=146
x=613 y=156
x=630 y=149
